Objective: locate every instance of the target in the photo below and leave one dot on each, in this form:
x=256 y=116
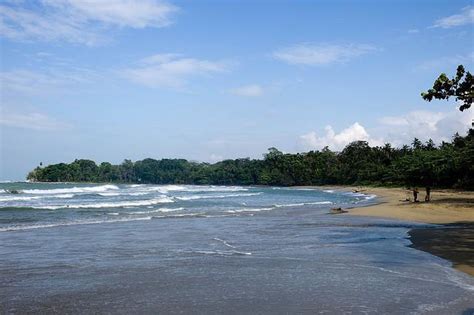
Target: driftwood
x=337 y=210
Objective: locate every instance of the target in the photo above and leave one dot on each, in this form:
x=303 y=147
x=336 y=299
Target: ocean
x=121 y=248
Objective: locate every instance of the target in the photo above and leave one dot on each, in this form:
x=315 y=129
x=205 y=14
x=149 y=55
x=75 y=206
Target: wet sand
x=454 y=210
x=451 y=242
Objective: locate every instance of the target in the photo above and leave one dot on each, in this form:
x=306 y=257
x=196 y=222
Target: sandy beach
x=446 y=206
x=453 y=239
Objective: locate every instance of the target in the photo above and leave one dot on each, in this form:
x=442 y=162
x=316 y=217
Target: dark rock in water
x=337 y=210
x=13 y=191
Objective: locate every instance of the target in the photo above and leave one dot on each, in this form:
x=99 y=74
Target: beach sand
x=454 y=210
x=446 y=206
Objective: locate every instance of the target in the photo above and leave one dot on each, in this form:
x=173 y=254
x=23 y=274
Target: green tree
x=461 y=87
x=450 y=164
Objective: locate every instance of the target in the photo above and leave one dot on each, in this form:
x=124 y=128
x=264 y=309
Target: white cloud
x=321 y=54
x=35 y=121
x=253 y=90
x=397 y=130
x=413 y=31
x=423 y=124
x=464 y=18
x=213 y=158
x=79 y=21
x=171 y=70
x=337 y=141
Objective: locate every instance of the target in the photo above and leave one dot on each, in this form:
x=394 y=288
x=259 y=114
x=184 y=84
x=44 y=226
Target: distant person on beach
x=428 y=194
x=407 y=194
x=415 y=194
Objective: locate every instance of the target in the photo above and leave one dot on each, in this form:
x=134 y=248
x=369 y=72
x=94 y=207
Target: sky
x=210 y=80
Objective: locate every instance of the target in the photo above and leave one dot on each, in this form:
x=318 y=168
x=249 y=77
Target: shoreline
x=446 y=206
x=451 y=211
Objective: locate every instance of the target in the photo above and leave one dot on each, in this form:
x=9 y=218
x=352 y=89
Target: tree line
x=447 y=165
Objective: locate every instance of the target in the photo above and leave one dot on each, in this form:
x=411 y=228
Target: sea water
x=82 y=248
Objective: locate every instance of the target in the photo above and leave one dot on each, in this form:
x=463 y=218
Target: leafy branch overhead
x=461 y=87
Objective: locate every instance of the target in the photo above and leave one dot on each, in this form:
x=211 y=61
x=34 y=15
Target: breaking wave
x=94 y=189
x=120 y=204
x=217 y=196
x=71 y=204
x=84 y=222
x=304 y=204
x=157 y=210
x=26 y=198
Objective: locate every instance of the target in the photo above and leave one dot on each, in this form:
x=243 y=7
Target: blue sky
x=208 y=80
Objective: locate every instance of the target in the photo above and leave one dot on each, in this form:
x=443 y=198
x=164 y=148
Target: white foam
x=222 y=252
x=250 y=210
x=26 y=198
x=17 y=198
x=171 y=209
x=138 y=193
x=224 y=242
x=157 y=210
x=304 y=204
x=171 y=216
x=121 y=204
x=62 y=196
x=93 y=189
x=109 y=194
x=164 y=189
x=42 y=226
x=217 y=196
x=368 y=197
x=192 y=188
x=123 y=193
x=294 y=188
x=186 y=215
x=215 y=188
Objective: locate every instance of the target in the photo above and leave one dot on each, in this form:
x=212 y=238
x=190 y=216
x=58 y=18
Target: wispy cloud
x=445 y=63
x=21 y=24
x=26 y=81
x=253 y=90
x=171 y=70
x=35 y=121
x=123 y=13
x=79 y=21
x=322 y=54
x=464 y=18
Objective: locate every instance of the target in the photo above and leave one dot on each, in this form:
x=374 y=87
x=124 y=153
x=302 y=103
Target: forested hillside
x=449 y=165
